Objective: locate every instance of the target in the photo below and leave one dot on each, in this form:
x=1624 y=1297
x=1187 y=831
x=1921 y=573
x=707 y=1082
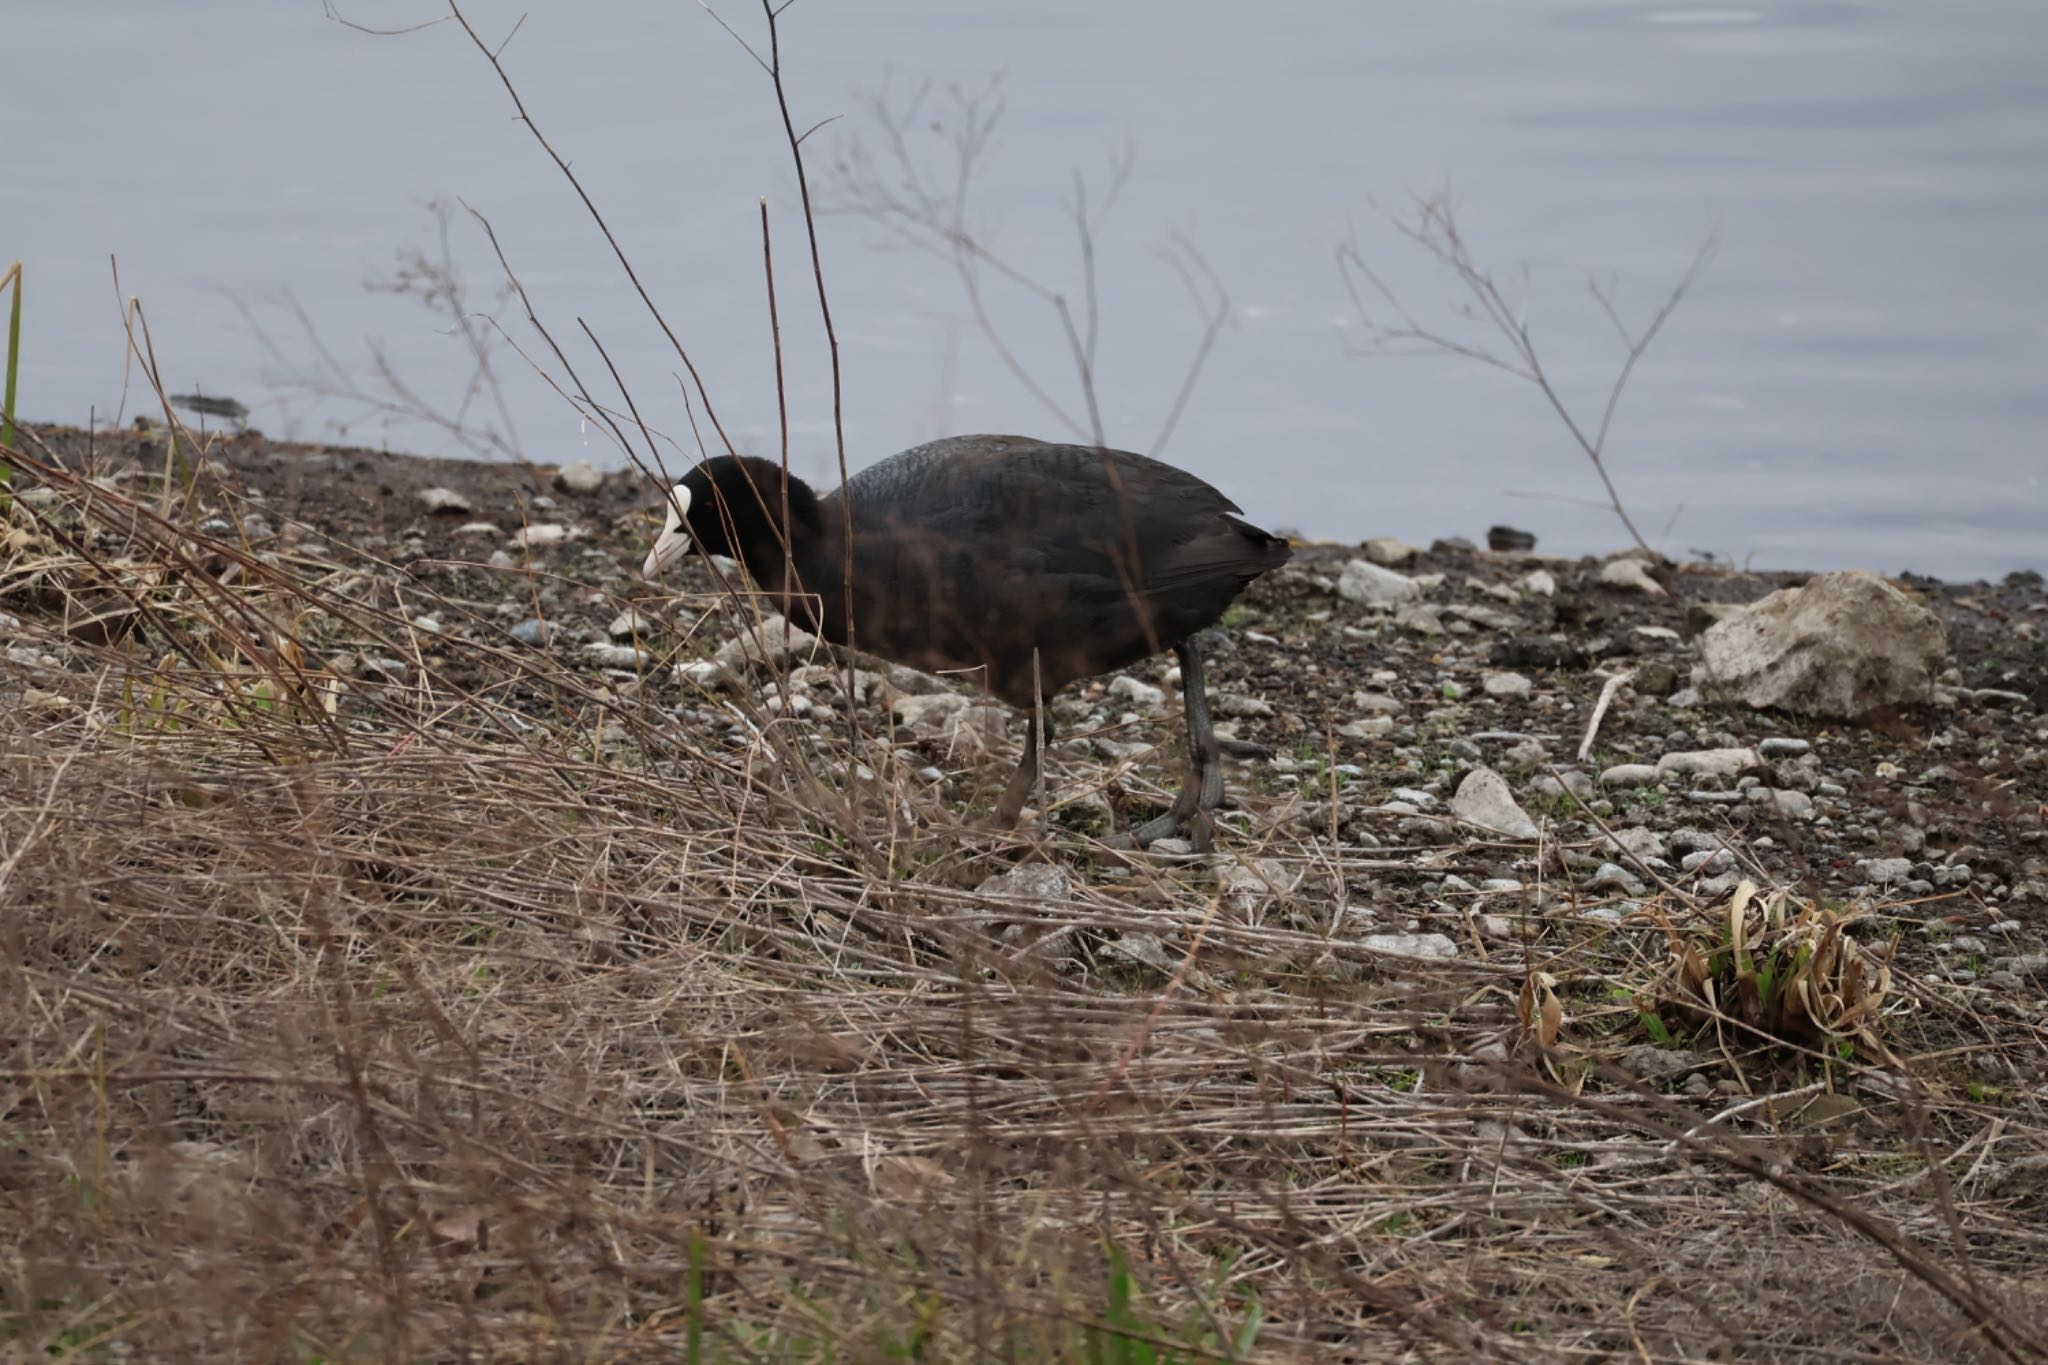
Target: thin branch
x=1434 y=227
x=327 y=8
x=618 y=252
x=931 y=213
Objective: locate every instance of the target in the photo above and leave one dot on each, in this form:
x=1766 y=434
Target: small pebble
x=1614 y=877
x=443 y=500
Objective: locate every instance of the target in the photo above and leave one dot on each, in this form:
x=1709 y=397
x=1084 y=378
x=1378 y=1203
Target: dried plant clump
x=1784 y=967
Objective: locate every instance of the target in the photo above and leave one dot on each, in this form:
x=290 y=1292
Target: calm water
x=1860 y=378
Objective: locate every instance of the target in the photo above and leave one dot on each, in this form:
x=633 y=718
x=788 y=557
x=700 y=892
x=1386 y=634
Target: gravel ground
x=1371 y=715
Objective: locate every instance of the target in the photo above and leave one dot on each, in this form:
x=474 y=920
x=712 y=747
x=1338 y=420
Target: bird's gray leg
x=1203 y=791
x=1026 y=777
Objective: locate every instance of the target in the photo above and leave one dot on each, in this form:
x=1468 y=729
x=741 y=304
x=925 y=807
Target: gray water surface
x=1860 y=377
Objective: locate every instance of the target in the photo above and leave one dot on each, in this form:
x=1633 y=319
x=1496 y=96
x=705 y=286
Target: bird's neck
x=809 y=584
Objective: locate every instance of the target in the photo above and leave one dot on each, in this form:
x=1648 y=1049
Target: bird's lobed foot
x=1198 y=828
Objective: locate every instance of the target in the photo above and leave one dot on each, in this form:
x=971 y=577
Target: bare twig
x=1434 y=227
x=930 y=211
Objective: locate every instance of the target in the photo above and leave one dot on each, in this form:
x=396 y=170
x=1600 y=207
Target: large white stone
x=1843 y=645
x=1370 y=585
x=1483 y=799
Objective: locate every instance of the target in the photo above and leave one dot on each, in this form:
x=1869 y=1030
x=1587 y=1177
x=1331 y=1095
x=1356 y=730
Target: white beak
x=669 y=546
x=674 y=539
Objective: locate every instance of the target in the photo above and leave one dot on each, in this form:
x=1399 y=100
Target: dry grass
x=525 y=1020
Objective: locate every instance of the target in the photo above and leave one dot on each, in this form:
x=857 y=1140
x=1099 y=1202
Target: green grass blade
x=12 y=277
x=693 y=1304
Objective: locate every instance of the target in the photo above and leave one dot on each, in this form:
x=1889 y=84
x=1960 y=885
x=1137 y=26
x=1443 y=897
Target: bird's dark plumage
x=975 y=551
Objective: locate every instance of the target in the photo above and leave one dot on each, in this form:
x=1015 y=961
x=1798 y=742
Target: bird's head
x=732 y=506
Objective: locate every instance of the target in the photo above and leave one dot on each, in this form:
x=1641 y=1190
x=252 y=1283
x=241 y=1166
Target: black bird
x=976 y=552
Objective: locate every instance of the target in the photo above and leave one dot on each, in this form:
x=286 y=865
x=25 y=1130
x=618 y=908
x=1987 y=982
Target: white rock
x=1140 y=693
x=629 y=623
x=1030 y=882
x=1539 y=583
x=1430 y=947
x=1843 y=645
x=775 y=704
x=932 y=713
x=477 y=528
x=1420 y=618
x=975 y=730
x=1243 y=707
x=903 y=678
x=1499 y=591
x=833 y=676
x=443 y=500
x=1615 y=877
x=616 y=656
x=581 y=477
x=1567 y=782
x=1147 y=950
x=1630 y=775
x=1245 y=885
x=1367 y=583
x=1790 y=804
x=1726 y=763
x=774 y=641
x=541 y=533
x=1483 y=799
x=1387 y=550
x=1885 y=871
x=1507 y=685
x=1643 y=843
x=1630 y=572
x=701 y=673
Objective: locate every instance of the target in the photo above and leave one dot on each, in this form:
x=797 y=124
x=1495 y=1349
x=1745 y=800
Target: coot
x=974 y=552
